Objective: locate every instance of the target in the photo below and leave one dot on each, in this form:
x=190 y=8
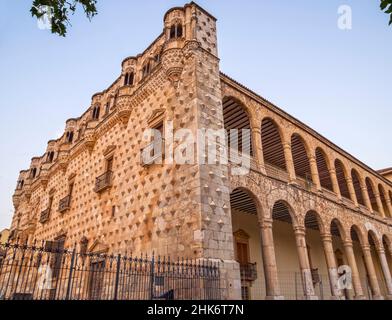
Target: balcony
x=65 y=204
x=44 y=216
x=248 y=272
x=103 y=182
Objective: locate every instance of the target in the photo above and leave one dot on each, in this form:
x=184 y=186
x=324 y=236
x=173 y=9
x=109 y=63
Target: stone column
x=314 y=171
x=306 y=273
x=331 y=265
x=379 y=204
x=386 y=272
x=366 y=198
x=289 y=162
x=269 y=261
x=335 y=183
x=258 y=148
x=351 y=190
x=371 y=272
x=349 y=251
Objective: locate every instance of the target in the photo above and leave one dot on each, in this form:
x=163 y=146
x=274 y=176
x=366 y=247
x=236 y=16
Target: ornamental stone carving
x=124 y=108
x=173 y=64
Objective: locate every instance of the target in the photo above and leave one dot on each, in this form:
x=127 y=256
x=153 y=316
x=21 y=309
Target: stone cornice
x=270 y=106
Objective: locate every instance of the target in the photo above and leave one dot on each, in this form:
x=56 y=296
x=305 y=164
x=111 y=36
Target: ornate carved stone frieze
x=173 y=64
x=124 y=108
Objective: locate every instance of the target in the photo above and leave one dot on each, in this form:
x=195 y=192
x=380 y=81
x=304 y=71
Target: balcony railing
x=248 y=272
x=276 y=172
x=44 y=216
x=103 y=182
x=65 y=204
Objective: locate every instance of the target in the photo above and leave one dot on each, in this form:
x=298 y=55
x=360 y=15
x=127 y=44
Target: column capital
x=299 y=230
x=326 y=237
x=256 y=129
x=365 y=247
x=380 y=250
x=286 y=145
x=347 y=244
x=266 y=223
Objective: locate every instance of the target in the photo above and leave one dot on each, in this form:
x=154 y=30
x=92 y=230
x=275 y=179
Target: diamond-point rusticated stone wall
x=90 y=185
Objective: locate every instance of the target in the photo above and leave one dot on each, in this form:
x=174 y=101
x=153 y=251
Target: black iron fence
x=46 y=273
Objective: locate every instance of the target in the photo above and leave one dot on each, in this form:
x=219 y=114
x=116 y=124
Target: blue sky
x=290 y=52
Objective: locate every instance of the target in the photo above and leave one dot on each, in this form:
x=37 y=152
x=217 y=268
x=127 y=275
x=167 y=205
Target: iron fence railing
x=37 y=273
x=103 y=182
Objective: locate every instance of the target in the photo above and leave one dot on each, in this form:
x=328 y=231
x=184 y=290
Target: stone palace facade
x=305 y=209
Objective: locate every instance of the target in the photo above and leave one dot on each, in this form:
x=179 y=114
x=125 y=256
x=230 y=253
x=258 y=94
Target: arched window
x=342 y=179
x=176 y=31
x=129 y=78
x=383 y=197
x=96 y=111
x=372 y=196
x=236 y=117
x=33 y=173
x=69 y=136
x=107 y=108
x=357 y=187
x=272 y=145
x=146 y=69
x=20 y=184
x=323 y=170
x=300 y=158
x=50 y=157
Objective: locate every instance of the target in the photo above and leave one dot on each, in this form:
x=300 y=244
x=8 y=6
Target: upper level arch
x=323 y=169
x=341 y=175
x=357 y=187
x=300 y=155
x=236 y=117
x=372 y=195
x=271 y=139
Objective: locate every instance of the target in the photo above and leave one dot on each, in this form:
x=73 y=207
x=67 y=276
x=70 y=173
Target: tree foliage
x=386 y=6
x=59 y=11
